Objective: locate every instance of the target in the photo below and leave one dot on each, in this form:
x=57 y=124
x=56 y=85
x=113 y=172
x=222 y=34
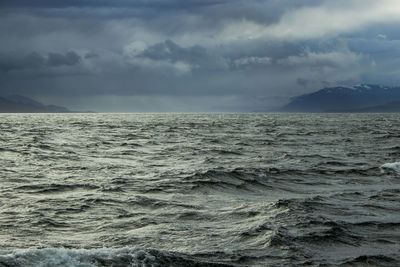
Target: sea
x=199 y=190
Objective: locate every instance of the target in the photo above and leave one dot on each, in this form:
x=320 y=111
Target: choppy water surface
x=199 y=190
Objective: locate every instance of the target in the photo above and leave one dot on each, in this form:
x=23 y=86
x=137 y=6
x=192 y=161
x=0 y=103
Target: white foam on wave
x=394 y=166
x=77 y=257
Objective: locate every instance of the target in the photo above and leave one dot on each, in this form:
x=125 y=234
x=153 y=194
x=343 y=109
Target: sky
x=193 y=55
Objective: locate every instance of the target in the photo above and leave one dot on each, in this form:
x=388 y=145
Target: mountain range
x=22 y=104
x=358 y=98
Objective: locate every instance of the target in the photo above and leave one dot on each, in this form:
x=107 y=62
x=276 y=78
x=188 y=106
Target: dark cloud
x=196 y=56
x=91 y=55
x=32 y=60
x=69 y=59
x=302 y=82
x=113 y=3
x=35 y=61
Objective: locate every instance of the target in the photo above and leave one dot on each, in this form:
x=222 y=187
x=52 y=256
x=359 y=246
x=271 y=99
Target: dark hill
x=347 y=99
x=22 y=104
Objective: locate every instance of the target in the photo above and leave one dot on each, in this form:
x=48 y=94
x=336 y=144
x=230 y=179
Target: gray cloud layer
x=35 y=61
x=196 y=55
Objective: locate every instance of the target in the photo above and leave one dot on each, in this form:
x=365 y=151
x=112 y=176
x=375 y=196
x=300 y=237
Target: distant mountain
x=359 y=98
x=22 y=104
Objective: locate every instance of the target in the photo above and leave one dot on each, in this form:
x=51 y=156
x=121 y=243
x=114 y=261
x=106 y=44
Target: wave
x=98 y=258
x=233 y=180
x=275 y=178
x=54 y=188
x=393 y=166
x=372 y=260
x=326 y=219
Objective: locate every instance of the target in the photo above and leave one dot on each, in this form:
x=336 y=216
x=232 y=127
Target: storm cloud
x=175 y=55
x=34 y=61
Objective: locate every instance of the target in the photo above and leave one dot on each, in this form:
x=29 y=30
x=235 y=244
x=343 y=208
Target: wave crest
x=97 y=258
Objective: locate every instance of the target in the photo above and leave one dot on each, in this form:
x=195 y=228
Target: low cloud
x=252 y=61
x=169 y=54
x=318 y=61
x=35 y=60
x=68 y=59
x=302 y=82
x=89 y=55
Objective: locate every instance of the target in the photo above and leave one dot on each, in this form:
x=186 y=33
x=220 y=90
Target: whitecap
x=95 y=257
x=77 y=257
x=393 y=166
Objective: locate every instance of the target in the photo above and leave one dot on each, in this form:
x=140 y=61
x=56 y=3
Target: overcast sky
x=193 y=55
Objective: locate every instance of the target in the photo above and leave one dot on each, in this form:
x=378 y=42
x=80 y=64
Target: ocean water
x=199 y=190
